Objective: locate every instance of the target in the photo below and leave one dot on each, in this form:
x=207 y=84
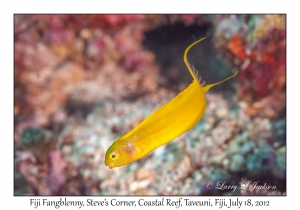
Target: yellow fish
x=168 y=122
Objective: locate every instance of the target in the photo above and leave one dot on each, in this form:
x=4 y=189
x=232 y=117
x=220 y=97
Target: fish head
x=121 y=153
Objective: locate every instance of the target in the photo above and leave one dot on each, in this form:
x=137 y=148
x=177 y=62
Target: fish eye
x=113 y=156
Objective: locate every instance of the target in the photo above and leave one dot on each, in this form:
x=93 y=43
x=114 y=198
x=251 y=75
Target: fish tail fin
x=207 y=87
x=194 y=72
x=191 y=70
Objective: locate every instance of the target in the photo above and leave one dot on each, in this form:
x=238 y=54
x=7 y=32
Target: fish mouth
x=109 y=165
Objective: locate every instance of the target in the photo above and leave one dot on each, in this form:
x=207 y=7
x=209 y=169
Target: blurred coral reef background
x=81 y=81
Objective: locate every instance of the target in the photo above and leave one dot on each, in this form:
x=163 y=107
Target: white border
x=8 y=201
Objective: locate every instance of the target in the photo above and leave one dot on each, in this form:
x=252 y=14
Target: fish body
x=168 y=122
